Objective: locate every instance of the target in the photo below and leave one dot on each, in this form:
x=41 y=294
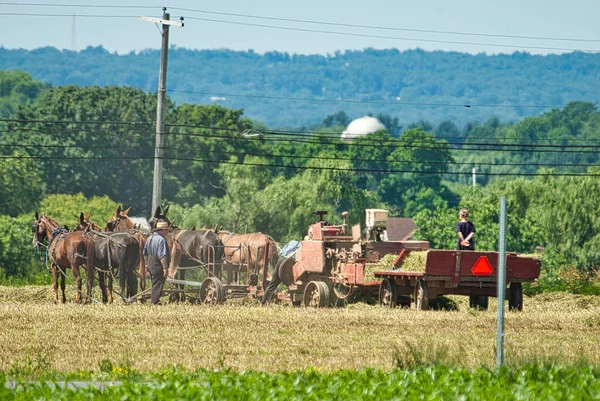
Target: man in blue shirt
x=288 y=251
x=158 y=256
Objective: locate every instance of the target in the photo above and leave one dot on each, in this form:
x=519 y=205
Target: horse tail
x=90 y=264
x=142 y=265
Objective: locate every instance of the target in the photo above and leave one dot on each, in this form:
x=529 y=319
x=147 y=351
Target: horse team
x=118 y=250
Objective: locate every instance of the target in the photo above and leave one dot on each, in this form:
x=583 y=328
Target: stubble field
x=556 y=327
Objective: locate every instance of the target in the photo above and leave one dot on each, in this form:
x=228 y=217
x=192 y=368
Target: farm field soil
x=556 y=327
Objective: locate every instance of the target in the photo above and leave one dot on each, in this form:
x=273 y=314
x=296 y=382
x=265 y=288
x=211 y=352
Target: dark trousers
x=158 y=281
x=274 y=283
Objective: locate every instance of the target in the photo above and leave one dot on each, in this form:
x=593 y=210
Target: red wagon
x=457 y=273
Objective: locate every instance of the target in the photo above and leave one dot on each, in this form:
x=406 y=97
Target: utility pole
x=501 y=285
x=474 y=171
x=162 y=90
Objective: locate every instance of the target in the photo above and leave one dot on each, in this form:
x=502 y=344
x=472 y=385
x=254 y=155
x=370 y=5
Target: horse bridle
x=114 y=223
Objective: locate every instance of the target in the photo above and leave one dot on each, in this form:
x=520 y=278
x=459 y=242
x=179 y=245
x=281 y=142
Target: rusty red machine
x=330 y=265
x=329 y=269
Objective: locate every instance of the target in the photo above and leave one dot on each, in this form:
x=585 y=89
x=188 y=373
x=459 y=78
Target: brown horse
x=118 y=251
x=258 y=251
x=66 y=250
x=120 y=221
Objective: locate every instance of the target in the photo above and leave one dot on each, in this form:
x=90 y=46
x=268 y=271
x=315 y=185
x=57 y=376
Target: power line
x=314 y=22
x=315 y=157
x=387 y=28
x=364 y=35
x=397 y=103
x=398 y=145
x=20 y=120
x=300 y=137
x=383 y=142
x=389 y=171
x=69 y=15
x=79 y=5
x=73 y=130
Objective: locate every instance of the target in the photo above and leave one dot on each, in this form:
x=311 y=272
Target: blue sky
x=549 y=18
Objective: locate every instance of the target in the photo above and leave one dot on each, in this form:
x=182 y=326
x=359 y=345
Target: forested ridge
x=68 y=149
x=409 y=85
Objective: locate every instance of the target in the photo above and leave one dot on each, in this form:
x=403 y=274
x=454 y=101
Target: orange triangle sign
x=482 y=267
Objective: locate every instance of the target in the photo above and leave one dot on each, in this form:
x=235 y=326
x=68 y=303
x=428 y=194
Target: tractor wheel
x=387 y=294
x=212 y=291
x=316 y=295
x=515 y=296
x=421 y=295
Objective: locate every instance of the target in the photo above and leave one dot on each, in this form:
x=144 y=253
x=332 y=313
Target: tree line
x=221 y=168
x=272 y=87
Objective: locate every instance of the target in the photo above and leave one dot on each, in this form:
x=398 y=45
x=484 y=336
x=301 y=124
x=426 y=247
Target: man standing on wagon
x=466 y=231
x=158 y=255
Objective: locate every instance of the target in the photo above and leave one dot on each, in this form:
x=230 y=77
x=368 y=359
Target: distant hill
x=373 y=81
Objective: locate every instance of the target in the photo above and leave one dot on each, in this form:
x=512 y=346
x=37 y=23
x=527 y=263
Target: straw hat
x=162 y=225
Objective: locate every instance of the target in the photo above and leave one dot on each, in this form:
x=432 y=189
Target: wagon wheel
x=480 y=302
x=212 y=291
x=343 y=291
x=421 y=296
x=316 y=295
x=515 y=296
x=387 y=294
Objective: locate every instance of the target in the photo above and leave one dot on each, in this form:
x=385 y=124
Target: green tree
x=21 y=185
x=17 y=88
x=66 y=208
x=420 y=187
x=94 y=141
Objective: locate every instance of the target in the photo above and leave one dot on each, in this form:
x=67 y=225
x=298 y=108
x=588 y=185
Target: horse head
x=38 y=229
x=84 y=224
x=120 y=221
x=42 y=228
x=159 y=215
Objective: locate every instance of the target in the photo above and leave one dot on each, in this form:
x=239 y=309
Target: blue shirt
x=158 y=247
x=289 y=248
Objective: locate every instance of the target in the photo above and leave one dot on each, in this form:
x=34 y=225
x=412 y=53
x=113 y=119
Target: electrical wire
x=387 y=28
x=391 y=143
x=78 y=5
x=68 y=15
x=314 y=22
x=364 y=35
x=388 y=171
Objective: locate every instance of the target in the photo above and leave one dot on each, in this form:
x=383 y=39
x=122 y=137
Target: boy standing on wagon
x=466 y=231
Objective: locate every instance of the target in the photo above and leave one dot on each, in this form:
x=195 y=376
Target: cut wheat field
x=552 y=327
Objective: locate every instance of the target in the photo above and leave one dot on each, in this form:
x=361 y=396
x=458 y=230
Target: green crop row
x=529 y=382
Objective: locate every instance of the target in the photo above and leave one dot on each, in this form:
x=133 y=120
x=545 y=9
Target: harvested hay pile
x=413 y=262
x=383 y=265
x=529 y=255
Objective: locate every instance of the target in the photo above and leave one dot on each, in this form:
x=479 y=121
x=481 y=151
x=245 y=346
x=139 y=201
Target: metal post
x=501 y=284
x=474 y=179
x=162 y=88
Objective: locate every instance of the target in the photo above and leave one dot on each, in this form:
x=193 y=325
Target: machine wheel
x=480 y=302
x=212 y=291
x=515 y=296
x=342 y=291
x=316 y=295
x=387 y=294
x=421 y=295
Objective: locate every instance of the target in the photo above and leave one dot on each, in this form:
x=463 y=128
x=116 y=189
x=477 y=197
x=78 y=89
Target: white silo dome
x=362 y=126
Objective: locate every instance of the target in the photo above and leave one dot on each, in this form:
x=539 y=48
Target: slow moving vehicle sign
x=482 y=267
